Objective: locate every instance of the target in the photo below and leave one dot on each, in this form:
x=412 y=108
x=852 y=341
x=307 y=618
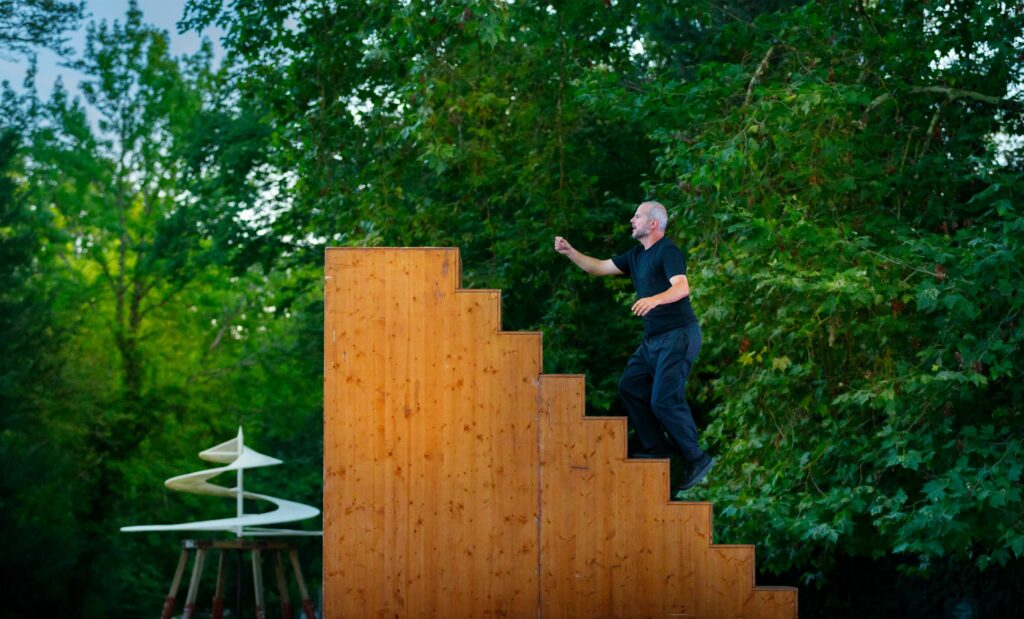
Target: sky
x=163 y=14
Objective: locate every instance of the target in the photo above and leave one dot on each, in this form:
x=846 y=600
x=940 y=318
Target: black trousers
x=653 y=387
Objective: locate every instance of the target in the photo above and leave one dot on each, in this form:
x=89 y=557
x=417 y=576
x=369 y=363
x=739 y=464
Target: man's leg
x=673 y=355
x=635 y=389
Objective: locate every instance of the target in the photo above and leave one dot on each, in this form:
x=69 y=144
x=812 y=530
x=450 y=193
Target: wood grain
x=460 y=482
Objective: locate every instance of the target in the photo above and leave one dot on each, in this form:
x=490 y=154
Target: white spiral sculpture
x=237 y=457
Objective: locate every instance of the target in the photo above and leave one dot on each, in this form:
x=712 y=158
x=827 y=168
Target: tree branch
x=758 y=74
x=226 y=321
x=957 y=93
x=147 y=309
x=931 y=129
x=952 y=94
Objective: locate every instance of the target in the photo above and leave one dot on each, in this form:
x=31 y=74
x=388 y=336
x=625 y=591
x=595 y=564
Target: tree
x=120 y=194
x=124 y=277
x=417 y=124
x=35 y=523
x=27 y=24
x=138 y=252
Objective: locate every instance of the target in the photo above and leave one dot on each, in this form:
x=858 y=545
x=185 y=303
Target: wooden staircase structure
x=461 y=482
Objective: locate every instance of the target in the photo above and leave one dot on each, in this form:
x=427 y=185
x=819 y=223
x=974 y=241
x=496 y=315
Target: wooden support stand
x=256 y=549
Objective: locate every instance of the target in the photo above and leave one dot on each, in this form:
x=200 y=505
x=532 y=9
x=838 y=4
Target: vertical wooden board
x=729 y=578
x=593 y=489
x=685 y=558
x=349 y=405
x=359 y=421
x=430 y=443
x=428 y=591
x=640 y=550
x=515 y=460
x=392 y=455
x=565 y=509
x=337 y=369
x=475 y=499
x=419 y=407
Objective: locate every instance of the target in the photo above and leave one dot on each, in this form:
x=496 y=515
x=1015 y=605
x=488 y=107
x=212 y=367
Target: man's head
x=650 y=218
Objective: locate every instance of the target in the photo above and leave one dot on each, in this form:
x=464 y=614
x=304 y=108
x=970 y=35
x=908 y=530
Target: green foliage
x=137 y=335
x=26 y=24
x=415 y=124
x=860 y=267
x=843 y=177
x=35 y=525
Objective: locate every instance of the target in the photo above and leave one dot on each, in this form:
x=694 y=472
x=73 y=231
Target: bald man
x=653 y=385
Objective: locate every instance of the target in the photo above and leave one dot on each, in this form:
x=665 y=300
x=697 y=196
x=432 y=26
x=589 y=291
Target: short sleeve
x=674 y=262
x=622 y=262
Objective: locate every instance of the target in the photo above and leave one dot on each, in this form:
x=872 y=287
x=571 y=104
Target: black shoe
x=696 y=472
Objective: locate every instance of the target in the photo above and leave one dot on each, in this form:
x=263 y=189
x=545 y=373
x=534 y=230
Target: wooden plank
x=430 y=443
x=307 y=603
x=193 y=585
x=172 y=595
x=257 y=584
x=282 y=586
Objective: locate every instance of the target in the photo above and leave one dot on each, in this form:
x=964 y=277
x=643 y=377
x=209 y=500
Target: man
x=653 y=384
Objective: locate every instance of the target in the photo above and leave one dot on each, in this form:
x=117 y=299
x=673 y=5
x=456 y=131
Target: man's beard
x=640 y=233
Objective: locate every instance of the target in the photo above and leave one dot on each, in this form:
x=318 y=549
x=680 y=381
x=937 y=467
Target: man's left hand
x=644 y=305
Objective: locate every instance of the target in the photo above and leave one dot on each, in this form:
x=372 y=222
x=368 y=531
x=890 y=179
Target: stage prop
x=461 y=482
x=237 y=458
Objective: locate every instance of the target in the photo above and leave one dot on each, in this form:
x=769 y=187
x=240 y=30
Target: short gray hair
x=658 y=212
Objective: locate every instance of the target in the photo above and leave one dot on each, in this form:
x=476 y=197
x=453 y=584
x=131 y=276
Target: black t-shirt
x=651 y=270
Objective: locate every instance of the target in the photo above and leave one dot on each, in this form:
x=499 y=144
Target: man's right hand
x=562 y=246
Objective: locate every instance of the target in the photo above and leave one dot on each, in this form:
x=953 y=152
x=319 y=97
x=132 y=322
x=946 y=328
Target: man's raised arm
x=585 y=262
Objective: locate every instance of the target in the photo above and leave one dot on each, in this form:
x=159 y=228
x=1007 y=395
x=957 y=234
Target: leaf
x=1017 y=546
x=935 y=490
x=1013 y=471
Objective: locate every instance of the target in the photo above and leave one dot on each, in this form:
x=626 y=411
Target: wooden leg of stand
x=257 y=584
x=173 y=593
x=282 y=586
x=193 y=585
x=307 y=604
x=218 y=594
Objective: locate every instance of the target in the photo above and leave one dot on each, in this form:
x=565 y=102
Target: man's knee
x=664 y=411
x=668 y=398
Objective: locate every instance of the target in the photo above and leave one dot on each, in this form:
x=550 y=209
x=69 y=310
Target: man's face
x=641 y=222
